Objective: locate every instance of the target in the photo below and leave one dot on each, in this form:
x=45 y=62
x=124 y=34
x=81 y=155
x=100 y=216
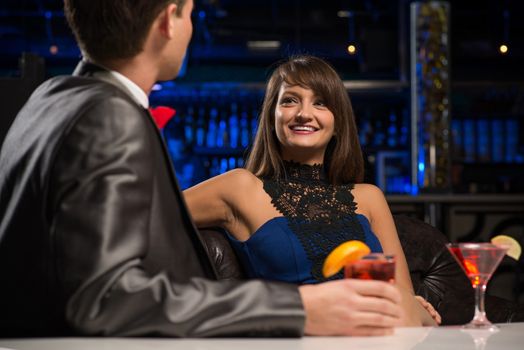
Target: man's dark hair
x=113 y=29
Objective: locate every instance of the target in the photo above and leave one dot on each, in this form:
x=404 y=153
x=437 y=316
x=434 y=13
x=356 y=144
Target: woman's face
x=303 y=124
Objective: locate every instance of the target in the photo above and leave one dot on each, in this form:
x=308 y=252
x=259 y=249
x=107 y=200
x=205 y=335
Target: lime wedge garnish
x=514 y=250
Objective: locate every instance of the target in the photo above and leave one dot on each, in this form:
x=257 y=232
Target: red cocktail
x=478 y=261
x=375 y=266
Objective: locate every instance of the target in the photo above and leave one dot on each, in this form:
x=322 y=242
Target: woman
x=301 y=194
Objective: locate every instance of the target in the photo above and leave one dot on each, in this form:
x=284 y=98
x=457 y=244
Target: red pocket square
x=162 y=115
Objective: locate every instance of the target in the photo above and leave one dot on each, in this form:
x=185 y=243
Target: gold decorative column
x=430 y=97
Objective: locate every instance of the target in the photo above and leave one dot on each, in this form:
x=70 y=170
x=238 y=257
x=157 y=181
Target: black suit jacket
x=95 y=237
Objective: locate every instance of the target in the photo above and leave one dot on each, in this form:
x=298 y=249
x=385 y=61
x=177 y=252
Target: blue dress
x=317 y=217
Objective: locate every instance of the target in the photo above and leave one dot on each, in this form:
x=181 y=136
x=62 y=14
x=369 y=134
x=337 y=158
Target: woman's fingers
x=429 y=308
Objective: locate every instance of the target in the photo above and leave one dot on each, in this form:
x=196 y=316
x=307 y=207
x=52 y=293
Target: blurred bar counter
x=465 y=217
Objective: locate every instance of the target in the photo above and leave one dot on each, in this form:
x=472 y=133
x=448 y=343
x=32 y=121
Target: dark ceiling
x=245 y=36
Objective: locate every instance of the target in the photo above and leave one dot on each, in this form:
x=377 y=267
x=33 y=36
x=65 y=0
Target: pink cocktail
x=375 y=266
x=478 y=261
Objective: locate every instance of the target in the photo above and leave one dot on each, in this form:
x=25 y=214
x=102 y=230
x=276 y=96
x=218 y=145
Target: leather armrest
x=438 y=278
x=222 y=254
x=435 y=274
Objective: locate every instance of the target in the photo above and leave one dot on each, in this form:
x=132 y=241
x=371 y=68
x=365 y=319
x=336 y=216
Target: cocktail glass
x=478 y=261
x=480 y=336
x=374 y=266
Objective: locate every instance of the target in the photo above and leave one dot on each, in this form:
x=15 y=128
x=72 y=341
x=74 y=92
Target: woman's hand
x=429 y=308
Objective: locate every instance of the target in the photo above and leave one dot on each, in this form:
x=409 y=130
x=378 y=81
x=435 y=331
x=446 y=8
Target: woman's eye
x=287 y=100
x=320 y=103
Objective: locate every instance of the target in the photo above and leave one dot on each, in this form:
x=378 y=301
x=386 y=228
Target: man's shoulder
x=64 y=104
x=78 y=89
x=67 y=99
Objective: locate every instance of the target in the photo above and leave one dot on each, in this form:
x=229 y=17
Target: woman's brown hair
x=343 y=160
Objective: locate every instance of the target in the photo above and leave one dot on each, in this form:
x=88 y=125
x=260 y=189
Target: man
x=95 y=238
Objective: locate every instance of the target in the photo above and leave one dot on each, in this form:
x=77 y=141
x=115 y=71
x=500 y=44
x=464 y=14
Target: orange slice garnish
x=342 y=255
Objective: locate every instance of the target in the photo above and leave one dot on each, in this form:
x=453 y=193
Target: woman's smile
x=303 y=129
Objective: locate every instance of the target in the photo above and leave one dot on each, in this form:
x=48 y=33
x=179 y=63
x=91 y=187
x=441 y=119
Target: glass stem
x=480 y=313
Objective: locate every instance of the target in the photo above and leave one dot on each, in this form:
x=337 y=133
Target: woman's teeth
x=302 y=128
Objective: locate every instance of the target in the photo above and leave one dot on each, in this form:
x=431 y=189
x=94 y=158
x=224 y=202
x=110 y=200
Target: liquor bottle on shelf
x=223 y=165
x=483 y=144
x=469 y=140
x=392 y=138
x=232 y=163
x=379 y=136
x=457 y=133
x=201 y=127
x=497 y=140
x=404 y=129
x=222 y=136
x=244 y=130
x=234 y=132
x=512 y=140
x=214 y=168
x=212 y=128
x=189 y=126
x=254 y=123
x=365 y=132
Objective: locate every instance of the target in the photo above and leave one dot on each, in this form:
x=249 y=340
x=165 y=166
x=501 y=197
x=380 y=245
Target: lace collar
x=303 y=172
x=322 y=216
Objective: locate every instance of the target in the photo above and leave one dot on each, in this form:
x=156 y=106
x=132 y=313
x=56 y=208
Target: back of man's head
x=113 y=29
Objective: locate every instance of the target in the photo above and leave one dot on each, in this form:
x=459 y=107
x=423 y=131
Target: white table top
x=510 y=336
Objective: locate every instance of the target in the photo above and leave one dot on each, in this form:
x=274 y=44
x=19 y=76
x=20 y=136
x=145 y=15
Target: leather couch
x=435 y=274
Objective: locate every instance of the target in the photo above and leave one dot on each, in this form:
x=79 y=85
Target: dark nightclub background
x=236 y=41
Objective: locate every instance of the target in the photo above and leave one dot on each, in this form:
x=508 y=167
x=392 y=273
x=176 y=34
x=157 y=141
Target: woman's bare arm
x=372 y=203
x=216 y=201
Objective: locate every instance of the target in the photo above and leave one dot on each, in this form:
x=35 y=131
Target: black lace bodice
x=320 y=214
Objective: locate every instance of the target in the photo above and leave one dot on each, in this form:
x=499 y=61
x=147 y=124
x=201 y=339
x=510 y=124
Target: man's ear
x=165 y=20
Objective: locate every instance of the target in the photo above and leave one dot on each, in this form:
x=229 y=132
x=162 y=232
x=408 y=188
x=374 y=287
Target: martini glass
x=478 y=261
x=480 y=336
